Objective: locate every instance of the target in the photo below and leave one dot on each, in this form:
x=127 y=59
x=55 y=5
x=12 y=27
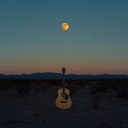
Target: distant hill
x=51 y=75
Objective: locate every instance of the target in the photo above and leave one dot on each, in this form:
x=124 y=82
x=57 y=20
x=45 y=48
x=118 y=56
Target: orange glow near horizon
x=72 y=67
x=69 y=70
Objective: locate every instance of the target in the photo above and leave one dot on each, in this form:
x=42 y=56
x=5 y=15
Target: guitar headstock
x=63 y=70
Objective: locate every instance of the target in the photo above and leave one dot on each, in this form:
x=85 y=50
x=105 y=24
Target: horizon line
x=65 y=73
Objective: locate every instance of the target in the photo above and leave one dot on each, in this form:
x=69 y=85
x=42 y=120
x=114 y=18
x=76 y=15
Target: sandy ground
x=37 y=110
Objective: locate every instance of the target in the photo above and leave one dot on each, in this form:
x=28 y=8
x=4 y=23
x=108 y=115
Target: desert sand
x=37 y=109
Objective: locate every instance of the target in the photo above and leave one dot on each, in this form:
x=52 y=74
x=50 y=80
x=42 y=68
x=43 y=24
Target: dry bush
x=121 y=91
x=23 y=89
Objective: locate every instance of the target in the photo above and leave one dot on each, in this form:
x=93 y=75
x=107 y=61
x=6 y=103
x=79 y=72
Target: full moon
x=65 y=26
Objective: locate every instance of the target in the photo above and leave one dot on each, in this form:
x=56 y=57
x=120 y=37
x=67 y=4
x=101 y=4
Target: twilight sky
x=31 y=39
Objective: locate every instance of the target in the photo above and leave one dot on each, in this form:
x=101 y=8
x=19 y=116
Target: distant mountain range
x=51 y=75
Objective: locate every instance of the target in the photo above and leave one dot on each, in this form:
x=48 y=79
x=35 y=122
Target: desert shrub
x=122 y=91
x=5 y=86
x=96 y=90
x=100 y=87
x=96 y=100
x=37 y=88
x=73 y=89
x=45 y=88
x=23 y=89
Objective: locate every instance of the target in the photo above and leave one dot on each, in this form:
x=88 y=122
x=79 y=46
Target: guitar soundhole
x=65 y=96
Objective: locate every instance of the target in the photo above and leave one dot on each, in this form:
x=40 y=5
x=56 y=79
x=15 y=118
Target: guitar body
x=63 y=100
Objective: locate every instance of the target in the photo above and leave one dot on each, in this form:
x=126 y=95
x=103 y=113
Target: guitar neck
x=63 y=79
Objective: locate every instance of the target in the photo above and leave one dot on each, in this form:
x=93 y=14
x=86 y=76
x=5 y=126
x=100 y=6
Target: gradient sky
x=31 y=39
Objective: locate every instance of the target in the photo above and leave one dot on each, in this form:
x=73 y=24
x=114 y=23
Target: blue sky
x=31 y=39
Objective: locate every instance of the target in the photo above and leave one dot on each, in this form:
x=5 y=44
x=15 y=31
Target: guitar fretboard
x=63 y=79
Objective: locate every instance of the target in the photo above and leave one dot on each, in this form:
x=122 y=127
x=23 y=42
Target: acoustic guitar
x=63 y=100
